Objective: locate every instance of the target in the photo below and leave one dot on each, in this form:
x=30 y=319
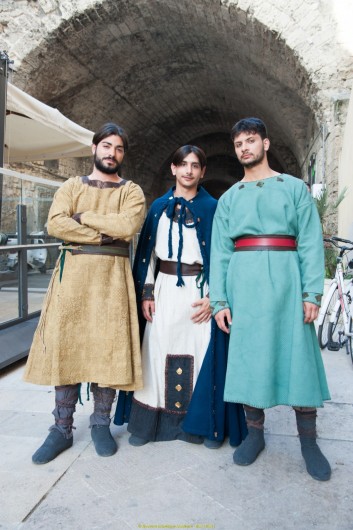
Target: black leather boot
x=254 y=443
x=316 y=463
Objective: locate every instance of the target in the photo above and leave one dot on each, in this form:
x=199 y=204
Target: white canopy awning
x=35 y=131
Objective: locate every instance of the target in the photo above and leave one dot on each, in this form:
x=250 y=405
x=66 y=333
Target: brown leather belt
x=170 y=267
x=266 y=242
x=117 y=248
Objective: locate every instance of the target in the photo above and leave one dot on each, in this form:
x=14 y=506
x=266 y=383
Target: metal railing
x=21 y=248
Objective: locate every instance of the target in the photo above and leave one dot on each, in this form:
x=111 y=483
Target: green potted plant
x=325 y=208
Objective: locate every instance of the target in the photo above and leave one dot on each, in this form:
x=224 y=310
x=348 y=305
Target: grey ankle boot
x=316 y=463
x=60 y=437
x=136 y=441
x=254 y=443
x=104 y=443
x=54 y=444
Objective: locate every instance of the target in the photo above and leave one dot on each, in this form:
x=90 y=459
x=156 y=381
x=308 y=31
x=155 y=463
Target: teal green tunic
x=274 y=358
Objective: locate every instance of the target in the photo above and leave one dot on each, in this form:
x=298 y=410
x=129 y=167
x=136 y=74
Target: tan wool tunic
x=88 y=330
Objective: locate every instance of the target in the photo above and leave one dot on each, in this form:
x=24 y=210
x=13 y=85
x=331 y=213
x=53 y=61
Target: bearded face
x=108 y=164
x=252 y=159
x=250 y=149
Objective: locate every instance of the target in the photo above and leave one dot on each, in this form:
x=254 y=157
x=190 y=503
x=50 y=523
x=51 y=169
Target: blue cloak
x=208 y=415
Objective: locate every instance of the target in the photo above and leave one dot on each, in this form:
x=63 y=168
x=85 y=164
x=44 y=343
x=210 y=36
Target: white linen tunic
x=172 y=332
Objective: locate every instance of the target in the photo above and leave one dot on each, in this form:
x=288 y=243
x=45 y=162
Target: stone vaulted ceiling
x=174 y=72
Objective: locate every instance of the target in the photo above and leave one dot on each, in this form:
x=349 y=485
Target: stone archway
x=179 y=72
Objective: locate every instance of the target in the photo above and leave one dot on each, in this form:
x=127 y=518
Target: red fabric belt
x=267 y=242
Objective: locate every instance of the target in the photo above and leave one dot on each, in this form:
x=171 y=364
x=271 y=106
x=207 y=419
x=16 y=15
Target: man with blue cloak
x=184 y=354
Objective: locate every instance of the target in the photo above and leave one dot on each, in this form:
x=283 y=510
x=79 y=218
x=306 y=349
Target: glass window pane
x=40 y=267
x=37 y=197
x=8 y=286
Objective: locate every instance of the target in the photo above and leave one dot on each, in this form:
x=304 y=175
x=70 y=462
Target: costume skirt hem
x=155 y=424
x=278 y=403
x=77 y=380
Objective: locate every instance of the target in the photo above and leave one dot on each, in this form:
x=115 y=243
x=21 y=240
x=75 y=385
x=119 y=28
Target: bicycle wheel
x=336 y=327
x=322 y=334
x=350 y=340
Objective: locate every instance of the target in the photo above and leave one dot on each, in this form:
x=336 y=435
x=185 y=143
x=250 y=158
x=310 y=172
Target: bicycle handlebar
x=334 y=238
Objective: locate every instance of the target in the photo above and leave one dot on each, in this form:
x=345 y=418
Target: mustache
x=110 y=158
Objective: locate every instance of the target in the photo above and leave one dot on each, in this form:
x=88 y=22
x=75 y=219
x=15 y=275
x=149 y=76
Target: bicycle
x=335 y=320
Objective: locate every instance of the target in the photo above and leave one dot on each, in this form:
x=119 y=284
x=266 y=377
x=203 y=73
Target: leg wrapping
x=66 y=397
x=103 y=400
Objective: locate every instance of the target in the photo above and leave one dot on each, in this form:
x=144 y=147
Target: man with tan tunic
x=88 y=330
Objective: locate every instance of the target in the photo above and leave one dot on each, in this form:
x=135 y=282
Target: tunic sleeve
x=122 y=225
x=222 y=249
x=310 y=249
x=148 y=288
x=151 y=268
x=60 y=223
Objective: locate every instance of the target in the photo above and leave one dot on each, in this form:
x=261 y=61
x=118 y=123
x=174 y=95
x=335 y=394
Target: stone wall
x=175 y=72
x=345 y=221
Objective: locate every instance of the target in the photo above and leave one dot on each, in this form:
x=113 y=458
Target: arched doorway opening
x=170 y=77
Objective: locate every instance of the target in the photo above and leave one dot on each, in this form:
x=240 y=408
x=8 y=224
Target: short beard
x=110 y=170
x=255 y=162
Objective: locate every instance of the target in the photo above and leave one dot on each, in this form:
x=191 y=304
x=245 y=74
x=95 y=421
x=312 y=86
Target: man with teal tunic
x=266 y=282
